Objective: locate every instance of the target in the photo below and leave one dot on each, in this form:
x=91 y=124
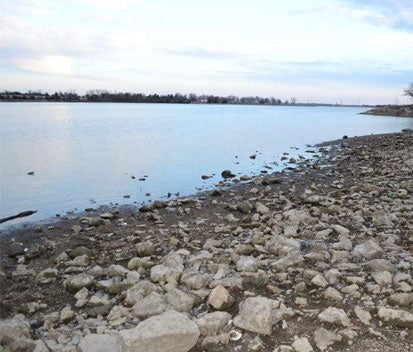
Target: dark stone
x=227 y=174
x=15 y=249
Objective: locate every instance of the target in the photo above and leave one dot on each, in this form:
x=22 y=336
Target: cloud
x=51 y=64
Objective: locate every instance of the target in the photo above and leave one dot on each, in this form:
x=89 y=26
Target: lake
x=85 y=154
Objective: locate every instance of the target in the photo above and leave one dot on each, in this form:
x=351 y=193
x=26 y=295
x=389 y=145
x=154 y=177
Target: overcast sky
x=318 y=50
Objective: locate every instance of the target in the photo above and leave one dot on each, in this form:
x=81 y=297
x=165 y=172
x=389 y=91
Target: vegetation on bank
x=128 y=97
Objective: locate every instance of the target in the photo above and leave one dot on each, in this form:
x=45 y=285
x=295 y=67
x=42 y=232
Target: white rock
x=302 y=345
x=99 y=343
x=168 y=332
x=255 y=315
x=324 y=338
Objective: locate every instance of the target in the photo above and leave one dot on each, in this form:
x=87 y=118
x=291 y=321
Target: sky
x=327 y=51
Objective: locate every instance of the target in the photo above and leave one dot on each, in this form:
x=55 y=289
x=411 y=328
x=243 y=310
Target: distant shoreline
x=177 y=98
x=391 y=110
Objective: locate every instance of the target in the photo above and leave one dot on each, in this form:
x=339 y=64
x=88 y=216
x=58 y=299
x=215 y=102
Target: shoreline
x=391 y=110
x=355 y=194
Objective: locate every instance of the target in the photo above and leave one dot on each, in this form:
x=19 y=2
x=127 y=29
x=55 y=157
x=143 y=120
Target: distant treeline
x=105 y=96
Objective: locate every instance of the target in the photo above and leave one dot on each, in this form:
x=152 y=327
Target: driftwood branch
x=19 y=215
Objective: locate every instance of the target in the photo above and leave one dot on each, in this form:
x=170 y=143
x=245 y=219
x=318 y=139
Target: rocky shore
x=312 y=259
x=391 y=110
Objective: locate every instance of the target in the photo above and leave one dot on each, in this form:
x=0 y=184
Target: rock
x=334 y=315
x=396 y=317
x=136 y=263
x=107 y=215
x=214 y=343
x=15 y=249
x=324 y=338
x=47 y=275
x=77 y=282
x=117 y=270
x=168 y=332
x=220 y=298
x=179 y=300
x=302 y=345
x=244 y=207
x=255 y=315
x=249 y=264
x=145 y=249
x=152 y=304
x=99 y=343
x=210 y=323
x=261 y=208
x=368 y=250
x=138 y=292
x=171 y=269
x=227 y=174
x=23 y=344
x=340 y=230
x=319 y=281
x=402 y=299
x=14 y=329
x=92 y=221
x=332 y=294
x=376 y=265
x=81 y=250
x=66 y=315
x=383 y=278
x=195 y=280
x=291 y=259
x=281 y=245
x=362 y=315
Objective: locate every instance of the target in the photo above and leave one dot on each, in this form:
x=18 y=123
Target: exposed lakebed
x=85 y=155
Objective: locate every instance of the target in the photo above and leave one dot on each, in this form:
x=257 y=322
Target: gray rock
x=152 y=304
x=145 y=249
x=171 y=269
x=138 y=292
x=195 y=280
x=77 y=282
x=14 y=329
x=247 y=263
x=47 y=275
x=219 y=298
x=179 y=300
x=281 y=245
x=383 y=278
x=396 y=317
x=255 y=315
x=362 y=315
x=99 y=343
x=15 y=249
x=368 y=250
x=334 y=315
x=168 y=332
x=302 y=345
x=210 y=323
x=324 y=338
x=290 y=260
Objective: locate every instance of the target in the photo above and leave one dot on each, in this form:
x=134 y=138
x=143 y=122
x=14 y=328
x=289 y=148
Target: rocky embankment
x=391 y=110
x=315 y=259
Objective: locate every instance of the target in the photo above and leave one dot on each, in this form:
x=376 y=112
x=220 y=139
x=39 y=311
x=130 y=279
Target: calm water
x=84 y=155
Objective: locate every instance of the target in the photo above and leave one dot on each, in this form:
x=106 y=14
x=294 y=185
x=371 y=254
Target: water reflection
x=81 y=152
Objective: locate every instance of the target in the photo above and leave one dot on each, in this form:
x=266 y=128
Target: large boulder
x=99 y=343
x=255 y=315
x=168 y=332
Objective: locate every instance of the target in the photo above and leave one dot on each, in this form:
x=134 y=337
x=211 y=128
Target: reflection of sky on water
x=81 y=152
